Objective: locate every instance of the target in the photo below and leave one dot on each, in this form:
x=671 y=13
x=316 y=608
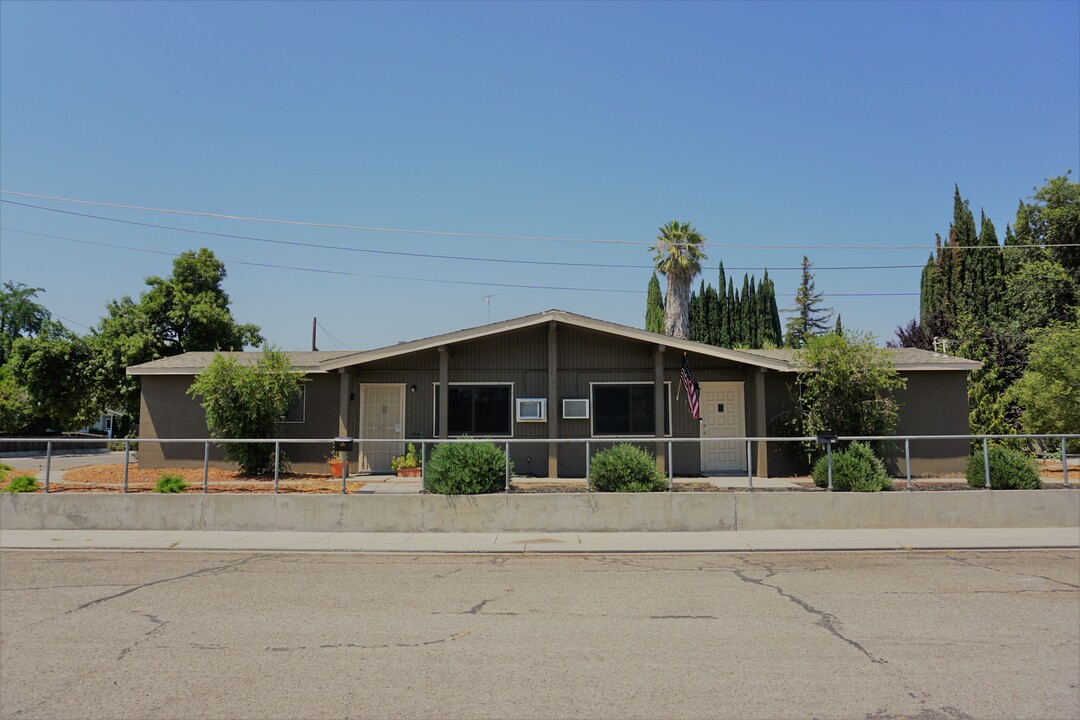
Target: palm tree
x=678 y=257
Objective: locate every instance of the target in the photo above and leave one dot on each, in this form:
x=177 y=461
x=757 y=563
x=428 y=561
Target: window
x=295 y=412
x=477 y=410
x=628 y=409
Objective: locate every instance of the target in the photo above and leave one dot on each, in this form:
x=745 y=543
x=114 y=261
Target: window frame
x=435 y=408
x=303 y=409
x=593 y=411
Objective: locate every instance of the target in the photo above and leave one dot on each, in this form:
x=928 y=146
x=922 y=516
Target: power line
x=406 y=278
x=399 y=253
x=487 y=236
x=341 y=345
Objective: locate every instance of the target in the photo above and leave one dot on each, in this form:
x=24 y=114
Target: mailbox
x=343 y=444
x=826 y=439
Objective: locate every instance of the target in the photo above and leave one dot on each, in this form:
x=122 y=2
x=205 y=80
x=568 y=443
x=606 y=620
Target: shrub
x=4 y=470
x=1009 y=470
x=170 y=484
x=466 y=469
x=855 y=469
x=21 y=484
x=626 y=468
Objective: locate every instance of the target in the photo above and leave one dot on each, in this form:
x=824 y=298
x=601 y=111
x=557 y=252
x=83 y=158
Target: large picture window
x=628 y=409
x=477 y=410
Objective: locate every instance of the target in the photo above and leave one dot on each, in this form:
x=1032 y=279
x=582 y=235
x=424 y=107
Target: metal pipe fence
x=589 y=444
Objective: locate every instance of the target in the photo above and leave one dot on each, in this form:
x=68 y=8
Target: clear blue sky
x=768 y=123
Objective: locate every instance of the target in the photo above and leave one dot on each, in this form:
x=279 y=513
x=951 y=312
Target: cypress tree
x=723 y=338
x=839 y=329
x=697 y=315
x=654 y=307
x=753 y=324
x=731 y=313
x=771 y=335
x=712 y=313
x=744 y=312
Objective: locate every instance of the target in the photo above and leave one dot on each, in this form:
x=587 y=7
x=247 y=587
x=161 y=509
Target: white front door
x=722 y=415
x=382 y=416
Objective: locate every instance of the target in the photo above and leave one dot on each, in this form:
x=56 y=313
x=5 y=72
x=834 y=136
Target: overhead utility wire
x=395 y=277
x=331 y=335
x=323 y=246
x=490 y=236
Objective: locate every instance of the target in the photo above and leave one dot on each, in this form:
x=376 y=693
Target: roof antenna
x=487 y=299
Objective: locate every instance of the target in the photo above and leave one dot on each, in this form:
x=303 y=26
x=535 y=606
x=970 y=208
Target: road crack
x=159 y=627
x=964 y=561
x=825 y=620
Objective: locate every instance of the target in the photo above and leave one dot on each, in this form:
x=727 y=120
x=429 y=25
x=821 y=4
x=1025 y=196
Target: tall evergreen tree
x=731 y=308
x=712 y=315
x=745 y=338
x=724 y=336
x=839 y=329
x=775 y=334
x=808 y=318
x=697 y=315
x=654 y=307
x=753 y=316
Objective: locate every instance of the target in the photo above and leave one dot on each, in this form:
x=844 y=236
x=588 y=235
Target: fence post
x=986 y=462
x=907 y=460
x=423 y=467
x=344 y=471
x=749 y=467
x=205 y=465
x=277 y=463
x=48 y=463
x=506 y=466
x=127 y=458
x=670 y=470
x=587 y=462
x=828 y=451
x=1064 y=463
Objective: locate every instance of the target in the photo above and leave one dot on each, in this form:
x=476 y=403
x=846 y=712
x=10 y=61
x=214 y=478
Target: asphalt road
x=929 y=635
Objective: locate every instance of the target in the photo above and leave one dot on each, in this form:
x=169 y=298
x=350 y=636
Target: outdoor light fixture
x=412 y=388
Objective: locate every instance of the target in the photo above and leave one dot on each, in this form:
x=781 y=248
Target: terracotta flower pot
x=335 y=468
x=408 y=472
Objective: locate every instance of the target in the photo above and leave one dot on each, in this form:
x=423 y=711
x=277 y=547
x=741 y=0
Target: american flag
x=691 y=392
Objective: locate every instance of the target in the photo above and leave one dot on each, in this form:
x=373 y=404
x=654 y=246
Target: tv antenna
x=487 y=299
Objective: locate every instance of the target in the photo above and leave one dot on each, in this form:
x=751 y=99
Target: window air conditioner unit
x=532 y=410
x=575 y=409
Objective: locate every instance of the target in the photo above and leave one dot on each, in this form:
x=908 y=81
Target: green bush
x=466 y=469
x=1009 y=470
x=626 y=468
x=855 y=469
x=170 y=484
x=4 y=470
x=21 y=484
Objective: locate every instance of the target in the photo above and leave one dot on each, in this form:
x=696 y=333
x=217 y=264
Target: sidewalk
x=637 y=542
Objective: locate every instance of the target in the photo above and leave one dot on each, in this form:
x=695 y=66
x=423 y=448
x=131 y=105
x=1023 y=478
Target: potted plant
x=335 y=461
x=407 y=465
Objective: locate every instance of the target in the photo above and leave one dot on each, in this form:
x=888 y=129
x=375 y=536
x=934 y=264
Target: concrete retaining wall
x=600 y=512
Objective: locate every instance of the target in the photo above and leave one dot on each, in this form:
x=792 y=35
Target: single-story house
x=554 y=374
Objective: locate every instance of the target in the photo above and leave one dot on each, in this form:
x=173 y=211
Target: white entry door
x=382 y=416
x=722 y=415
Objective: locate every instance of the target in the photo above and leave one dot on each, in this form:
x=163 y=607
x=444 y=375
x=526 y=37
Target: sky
x=764 y=124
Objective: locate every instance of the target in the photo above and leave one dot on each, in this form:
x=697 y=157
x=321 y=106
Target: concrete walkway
x=742 y=541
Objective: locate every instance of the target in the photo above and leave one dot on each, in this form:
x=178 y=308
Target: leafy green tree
x=654 y=307
x=809 y=318
x=17 y=416
x=846 y=386
x=1049 y=390
x=184 y=312
x=1003 y=354
x=1052 y=218
x=20 y=315
x=53 y=369
x=678 y=254
x=243 y=401
x=1040 y=294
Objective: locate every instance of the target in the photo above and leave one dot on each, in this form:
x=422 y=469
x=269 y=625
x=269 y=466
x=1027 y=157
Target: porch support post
x=658 y=394
x=444 y=391
x=760 y=428
x=343 y=403
x=553 y=401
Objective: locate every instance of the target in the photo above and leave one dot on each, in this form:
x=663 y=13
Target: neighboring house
x=106 y=425
x=552 y=375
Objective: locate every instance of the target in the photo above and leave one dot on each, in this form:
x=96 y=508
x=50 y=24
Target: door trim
x=741 y=385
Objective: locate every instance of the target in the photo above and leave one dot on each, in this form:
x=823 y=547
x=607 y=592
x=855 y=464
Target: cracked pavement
x=883 y=635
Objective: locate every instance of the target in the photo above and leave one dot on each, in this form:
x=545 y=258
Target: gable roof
x=559 y=316
x=193 y=363
x=905 y=359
